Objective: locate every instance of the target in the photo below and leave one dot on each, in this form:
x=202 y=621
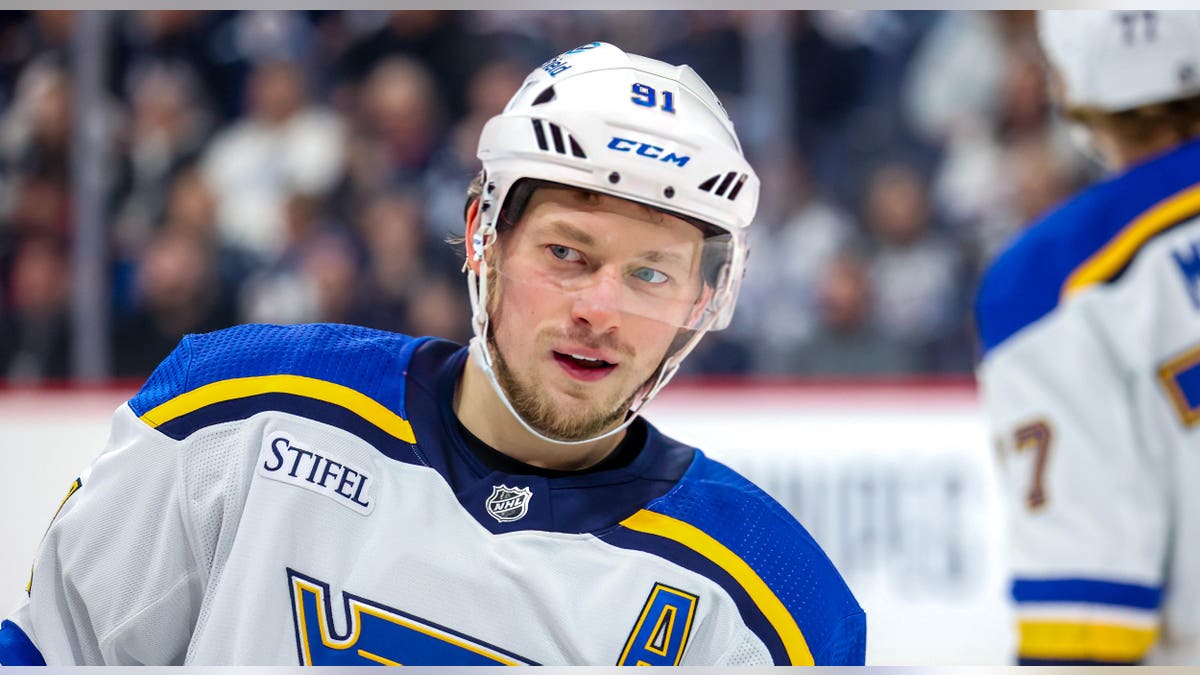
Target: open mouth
x=584 y=367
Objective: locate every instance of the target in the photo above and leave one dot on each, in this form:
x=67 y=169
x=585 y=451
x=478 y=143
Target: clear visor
x=673 y=277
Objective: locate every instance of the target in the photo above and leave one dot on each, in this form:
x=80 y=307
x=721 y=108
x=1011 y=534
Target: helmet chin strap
x=482 y=355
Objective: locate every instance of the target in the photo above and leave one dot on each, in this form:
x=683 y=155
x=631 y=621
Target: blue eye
x=651 y=275
x=564 y=253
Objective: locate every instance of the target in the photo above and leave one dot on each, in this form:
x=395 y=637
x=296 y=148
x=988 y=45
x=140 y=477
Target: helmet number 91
x=645 y=96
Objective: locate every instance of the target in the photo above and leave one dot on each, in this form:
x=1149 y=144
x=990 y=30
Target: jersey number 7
x=1036 y=436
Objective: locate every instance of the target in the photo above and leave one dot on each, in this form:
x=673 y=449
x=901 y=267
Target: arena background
x=168 y=172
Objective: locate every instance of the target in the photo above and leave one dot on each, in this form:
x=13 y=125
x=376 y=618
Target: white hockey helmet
x=601 y=120
x=1119 y=60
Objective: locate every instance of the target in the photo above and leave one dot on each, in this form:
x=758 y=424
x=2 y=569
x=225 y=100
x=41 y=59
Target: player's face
x=590 y=292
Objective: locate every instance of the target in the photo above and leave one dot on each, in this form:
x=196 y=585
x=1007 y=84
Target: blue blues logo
x=555 y=66
x=647 y=150
x=378 y=635
x=582 y=48
x=558 y=64
x=1188 y=261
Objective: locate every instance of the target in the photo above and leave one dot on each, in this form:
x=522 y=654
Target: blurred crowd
x=285 y=167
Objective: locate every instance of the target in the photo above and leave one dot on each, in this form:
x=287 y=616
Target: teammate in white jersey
x=329 y=494
x=1090 y=323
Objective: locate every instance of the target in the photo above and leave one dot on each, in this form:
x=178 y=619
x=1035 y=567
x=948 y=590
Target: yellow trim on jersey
x=762 y=595
x=73 y=489
x=241 y=387
x=1084 y=641
x=1117 y=253
x=378 y=659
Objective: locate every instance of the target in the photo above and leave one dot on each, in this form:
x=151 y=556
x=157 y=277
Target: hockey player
x=328 y=494
x=1090 y=324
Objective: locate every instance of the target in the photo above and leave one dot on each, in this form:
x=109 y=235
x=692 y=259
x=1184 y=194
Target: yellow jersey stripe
x=766 y=600
x=1079 y=641
x=1117 y=253
x=241 y=387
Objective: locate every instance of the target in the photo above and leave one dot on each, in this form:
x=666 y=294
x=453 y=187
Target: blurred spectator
x=314 y=254
x=1026 y=103
x=455 y=164
x=874 y=128
x=711 y=43
x=35 y=338
x=177 y=292
x=976 y=88
x=398 y=130
x=435 y=38
x=441 y=309
x=236 y=43
x=167 y=129
x=954 y=81
x=847 y=340
x=329 y=269
x=26 y=36
x=285 y=145
x=191 y=208
x=36 y=133
x=252 y=139
x=1041 y=171
x=794 y=239
x=524 y=37
x=406 y=287
x=39 y=207
x=179 y=42
x=828 y=80
x=914 y=270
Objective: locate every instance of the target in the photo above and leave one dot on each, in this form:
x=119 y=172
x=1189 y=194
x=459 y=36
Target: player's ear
x=472 y=228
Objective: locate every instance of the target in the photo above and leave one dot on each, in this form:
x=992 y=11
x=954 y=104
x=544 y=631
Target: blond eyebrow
x=574 y=233
x=583 y=238
x=664 y=257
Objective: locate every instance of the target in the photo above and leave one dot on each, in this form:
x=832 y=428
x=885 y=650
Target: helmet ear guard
x=472 y=242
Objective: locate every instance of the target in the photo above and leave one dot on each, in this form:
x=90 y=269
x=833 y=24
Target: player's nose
x=598 y=303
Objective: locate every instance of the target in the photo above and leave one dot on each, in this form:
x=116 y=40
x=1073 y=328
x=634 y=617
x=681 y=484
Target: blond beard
x=541 y=414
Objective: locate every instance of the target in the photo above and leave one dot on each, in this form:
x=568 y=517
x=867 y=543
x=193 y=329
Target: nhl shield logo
x=508 y=504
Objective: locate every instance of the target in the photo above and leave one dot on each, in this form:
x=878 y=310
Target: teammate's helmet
x=1112 y=61
x=599 y=119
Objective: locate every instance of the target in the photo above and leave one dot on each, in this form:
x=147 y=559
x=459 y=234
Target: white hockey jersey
x=303 y=495
x=1090 y=324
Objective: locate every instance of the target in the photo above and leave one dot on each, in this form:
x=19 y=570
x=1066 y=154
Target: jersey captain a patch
x=662 y=629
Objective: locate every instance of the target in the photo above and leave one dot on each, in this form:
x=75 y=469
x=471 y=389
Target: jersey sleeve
x=121 y=574
x=1088 y=518
x=794 y=604
x=115 y=579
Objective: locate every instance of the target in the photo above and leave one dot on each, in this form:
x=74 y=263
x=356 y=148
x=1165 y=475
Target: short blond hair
x=1140 y=125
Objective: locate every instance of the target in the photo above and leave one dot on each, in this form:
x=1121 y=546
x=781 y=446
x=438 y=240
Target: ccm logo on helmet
x=646 y=150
